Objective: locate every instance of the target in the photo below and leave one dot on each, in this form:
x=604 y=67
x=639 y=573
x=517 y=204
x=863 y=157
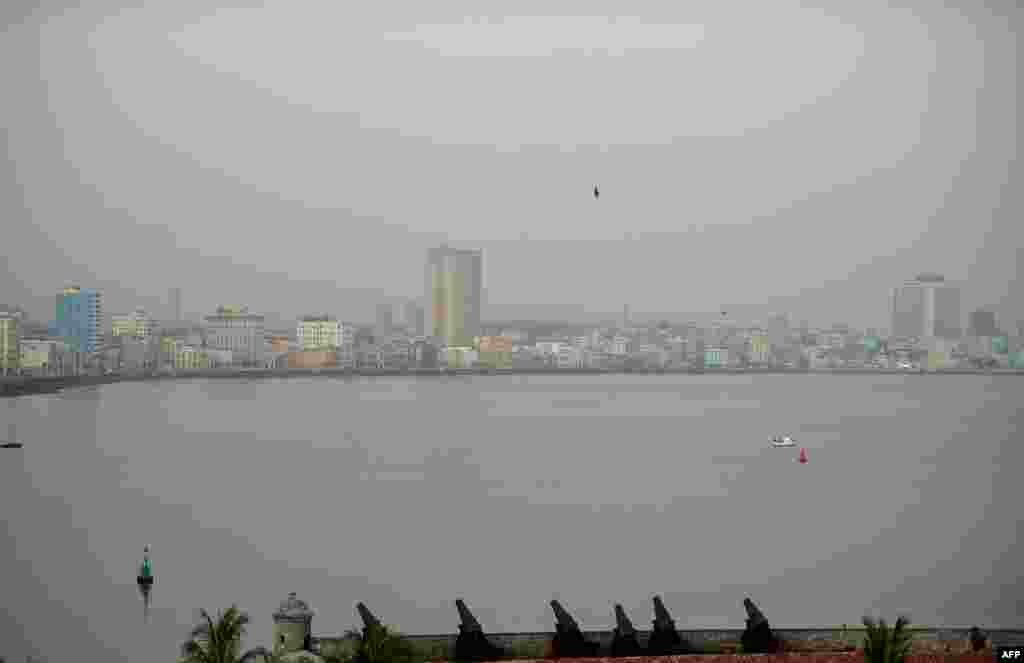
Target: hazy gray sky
x=302 y=156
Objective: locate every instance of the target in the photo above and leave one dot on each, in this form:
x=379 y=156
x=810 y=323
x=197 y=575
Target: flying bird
x=597 y=193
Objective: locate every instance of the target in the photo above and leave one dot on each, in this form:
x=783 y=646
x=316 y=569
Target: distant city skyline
x=745 y=195
x=409 y=313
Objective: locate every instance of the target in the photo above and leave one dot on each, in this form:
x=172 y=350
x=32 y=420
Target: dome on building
x=293 y=609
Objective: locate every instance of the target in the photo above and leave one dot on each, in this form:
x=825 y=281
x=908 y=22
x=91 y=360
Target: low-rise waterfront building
x=109 y=358
x=760 y=349
x=189 y=357
x=138 y=355
x=570 y=357
x=346 y=356
x=495 y=351
x=234 y=328
x=169 y=347
x=369 y=355
x=525 y=357
x=716 y=357
x=137 y=325
x=398 y=353
x=830 y=339
x=425 y=355
x=460 y=357
x=279 y=343
x=275 y=360
x=320 y=332
x=657 y=358
x=38 y=356
x=550 y=347
x=325 y=358
x=620 y=345
x=644 y=348
x=219 y=358
x=676 y=351
x=10 y=349
x=598 y=359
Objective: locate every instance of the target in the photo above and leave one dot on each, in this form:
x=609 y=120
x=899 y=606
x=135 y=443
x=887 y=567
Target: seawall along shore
x=25 y=385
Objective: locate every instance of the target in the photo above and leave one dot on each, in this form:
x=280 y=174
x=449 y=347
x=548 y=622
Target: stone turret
x=292 y=626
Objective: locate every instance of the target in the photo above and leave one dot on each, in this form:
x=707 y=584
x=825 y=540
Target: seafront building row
x=446 y=331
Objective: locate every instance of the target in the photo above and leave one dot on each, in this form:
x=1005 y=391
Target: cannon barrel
x=368 y=618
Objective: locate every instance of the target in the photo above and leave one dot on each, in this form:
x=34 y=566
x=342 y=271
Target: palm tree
x=219 y=641
x=886 y=645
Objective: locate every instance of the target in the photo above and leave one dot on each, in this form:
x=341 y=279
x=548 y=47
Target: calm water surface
x=508 y=491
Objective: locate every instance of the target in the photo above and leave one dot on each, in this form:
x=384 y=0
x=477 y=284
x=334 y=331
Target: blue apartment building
x=78 y=319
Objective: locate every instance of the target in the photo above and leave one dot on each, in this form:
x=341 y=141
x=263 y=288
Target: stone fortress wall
x=295 y=616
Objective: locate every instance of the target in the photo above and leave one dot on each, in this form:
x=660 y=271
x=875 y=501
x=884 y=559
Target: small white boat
x=783 y=441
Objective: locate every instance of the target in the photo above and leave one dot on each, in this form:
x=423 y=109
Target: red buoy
x=803 y=456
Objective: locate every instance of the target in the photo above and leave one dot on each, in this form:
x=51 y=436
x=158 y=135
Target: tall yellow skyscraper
x=454 y=280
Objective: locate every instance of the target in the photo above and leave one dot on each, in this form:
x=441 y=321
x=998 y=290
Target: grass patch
x=528 y=649
x=709 y=647
x=431 y=651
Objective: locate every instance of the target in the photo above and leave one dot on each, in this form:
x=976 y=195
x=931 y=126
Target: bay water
x=508 y=491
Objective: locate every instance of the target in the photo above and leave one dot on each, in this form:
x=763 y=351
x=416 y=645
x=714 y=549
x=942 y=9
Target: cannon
x=569 y=641
x=758 y=637
x=624 y=640
x=665 y=639
x=472 y=644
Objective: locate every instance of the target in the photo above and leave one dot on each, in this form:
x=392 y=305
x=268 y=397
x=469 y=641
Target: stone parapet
x=927 y=641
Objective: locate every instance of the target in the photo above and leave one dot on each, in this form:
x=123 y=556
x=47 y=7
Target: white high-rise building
x=926 y=307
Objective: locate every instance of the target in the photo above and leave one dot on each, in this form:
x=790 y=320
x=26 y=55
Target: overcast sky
x=302 y=156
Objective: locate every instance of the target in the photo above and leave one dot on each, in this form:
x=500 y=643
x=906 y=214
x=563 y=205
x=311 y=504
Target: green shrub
x=883 y=644
x=711 y=647
x=381 y=644
x=528 y=649
x=432 y=651
x=851 y=636
x=343 y=651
